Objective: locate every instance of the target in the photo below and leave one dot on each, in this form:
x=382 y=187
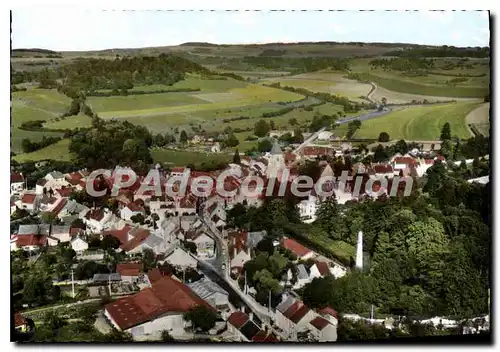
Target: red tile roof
x=19 y=319
x=154 y=275
x=74 y=231
x=135 y=206
x=290 y=157
x=31 y=240
x=129 y=269
x=28 y=198
x=299 y=314
x=65 y=191
x=74 y=178
x=323 y=268
x=383 y=168
x=295 y=247
x=167 y=295
x=319 y=323
x=59 y=206
x=238 y=319
x=262 y=336
x=329 y=311
x=292 y=309
x=187 y=203
x=139 y=236
x=95 y=214
x=178 y=169
x=121 y=234
x=313 y=151
x=16 y=178
x=405 y=160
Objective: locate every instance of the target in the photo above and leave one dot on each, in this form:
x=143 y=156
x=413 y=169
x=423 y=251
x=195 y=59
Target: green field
x=57 y=151
x=181 y=158
x=419 y=123
x=70 y=122
x=251 y=94
x=35 y=104
x=326 y=82
x=432 y=84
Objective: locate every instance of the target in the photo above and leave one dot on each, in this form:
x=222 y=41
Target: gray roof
x=56 y=174
x=57 y=229
x=44 y=229
x=302 y=274
x=28 y=230
x=276 y=149
x=283 y=306
x=106 y=277
x=253 y=238
x=153 y=240
x=206 y=288
x=73 y=207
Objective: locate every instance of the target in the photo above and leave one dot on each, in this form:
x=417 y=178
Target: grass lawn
x=419 y=123
x=180 y=158
x=71 y=122
x=56 y=151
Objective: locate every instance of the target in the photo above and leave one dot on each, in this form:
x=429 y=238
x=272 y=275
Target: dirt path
x=479 y=115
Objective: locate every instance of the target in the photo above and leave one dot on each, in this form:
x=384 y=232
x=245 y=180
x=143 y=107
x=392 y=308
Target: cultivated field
x=480 y=118
x=435 y=82
x=327 y=82
x=56 y=151
x=35 y=104
x=419 y=123
x=180 y=158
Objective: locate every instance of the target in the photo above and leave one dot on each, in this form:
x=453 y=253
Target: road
x=309 y=140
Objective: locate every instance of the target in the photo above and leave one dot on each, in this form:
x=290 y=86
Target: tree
x=384 y=103
x=272 y=125
x=266 y=246
x=232 y=141
x=261 y=128
x=446 y=148
x=297 y=136
x=293 y=121
x=78 y=223
x=138 y=218
x=383 y=137
x=380 y=154
x=53 y=320
x=159 y=140
x=445 y=132
x=49 y=218
x=191 y=246
x=401 y=147
x=183 y=137
x=201 y=317
x=265 y=145
x=236 y=157
x=110 y=242
x=148 y=260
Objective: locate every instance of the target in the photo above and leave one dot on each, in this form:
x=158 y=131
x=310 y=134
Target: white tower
x=359 y=251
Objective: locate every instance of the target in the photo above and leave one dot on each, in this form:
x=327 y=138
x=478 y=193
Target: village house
x=132 y=209
x=40 y=186
x=312 y=152
x=212 y=293
x=321 y=330
x=79 y=245
x=181 y=259
x=319 y=269
x=296 y=248
x=62 y=233
x=20 y=323
x=129 y=272
x=205 y=245
x=96 y=219
x=30 y=243
x=29 y=202
x=16 y=183
x=186 y=206
x=242 y=327
x=303 y=277
x=154 y=309
x=307 y=208
x=293 y=317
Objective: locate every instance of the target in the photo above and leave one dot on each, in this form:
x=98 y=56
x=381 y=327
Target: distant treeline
x=444 y=51
x=29 y=146
x=90 y=74
x=402 y=64
x=349 y=106
x=35 y=50
x=272 y=52
x=299 y=64
x=116 y=92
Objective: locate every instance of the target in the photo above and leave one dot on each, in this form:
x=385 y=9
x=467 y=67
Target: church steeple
x=359 y=251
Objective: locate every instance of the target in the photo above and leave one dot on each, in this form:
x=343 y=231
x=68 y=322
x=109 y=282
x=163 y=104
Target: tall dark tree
x=384 y=137
x=183 y=137
x=261 y=128
x=236 y=157
x=445 y=132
